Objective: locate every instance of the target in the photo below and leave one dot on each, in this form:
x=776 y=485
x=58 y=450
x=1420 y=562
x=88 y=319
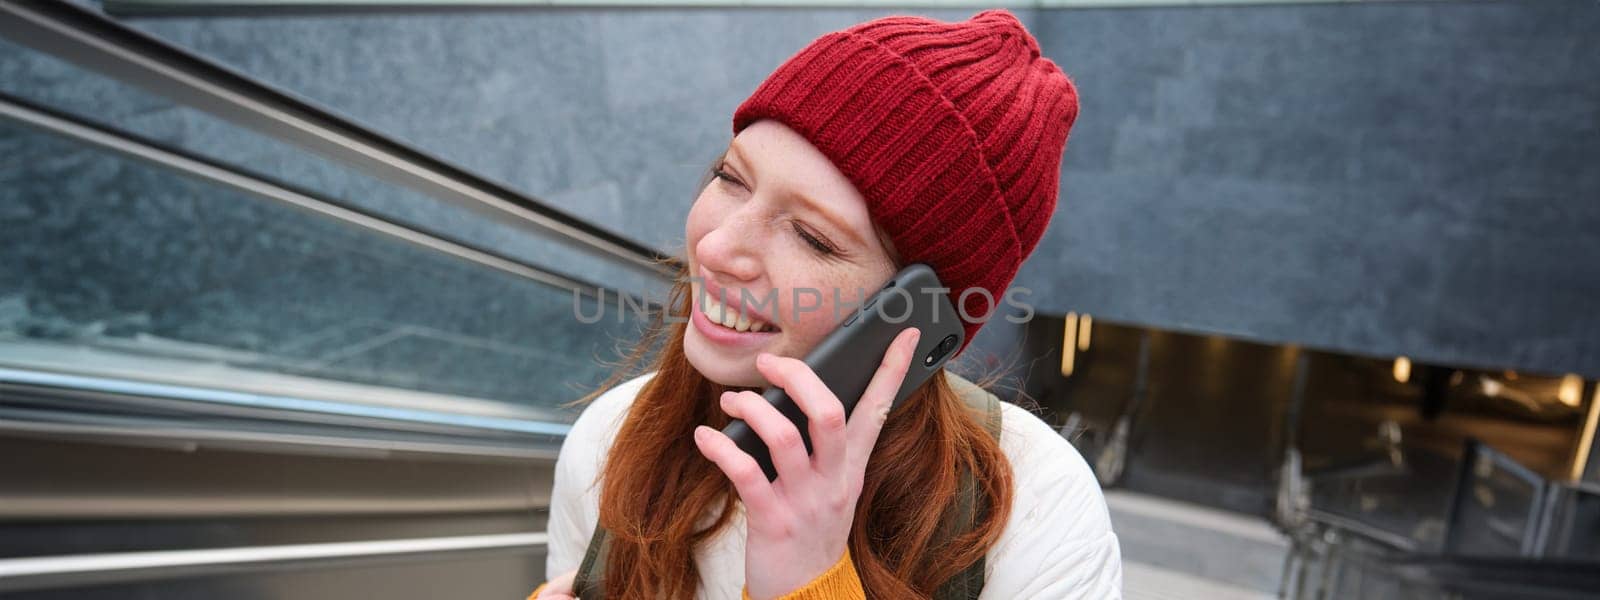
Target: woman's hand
x=798 y=525
x=559 y=588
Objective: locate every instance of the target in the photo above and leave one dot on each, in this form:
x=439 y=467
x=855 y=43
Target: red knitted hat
x=952 y=131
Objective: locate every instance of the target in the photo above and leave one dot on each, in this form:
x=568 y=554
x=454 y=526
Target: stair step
x=1167 y=543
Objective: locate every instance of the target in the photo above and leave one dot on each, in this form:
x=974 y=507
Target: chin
x=732 y=372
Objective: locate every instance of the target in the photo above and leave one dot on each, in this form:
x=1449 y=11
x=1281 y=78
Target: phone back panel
x=848 y=357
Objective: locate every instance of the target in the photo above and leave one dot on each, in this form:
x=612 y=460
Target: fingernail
x=700 y=432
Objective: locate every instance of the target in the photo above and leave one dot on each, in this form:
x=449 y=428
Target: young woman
x=896 y=141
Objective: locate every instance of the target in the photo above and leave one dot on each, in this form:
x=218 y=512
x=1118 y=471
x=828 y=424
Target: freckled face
x=776 y=232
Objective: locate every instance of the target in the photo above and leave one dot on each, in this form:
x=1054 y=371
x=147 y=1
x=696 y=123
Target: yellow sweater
x=839 y=582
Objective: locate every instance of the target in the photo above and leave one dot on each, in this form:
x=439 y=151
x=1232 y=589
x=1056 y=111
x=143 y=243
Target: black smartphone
x=848 y=357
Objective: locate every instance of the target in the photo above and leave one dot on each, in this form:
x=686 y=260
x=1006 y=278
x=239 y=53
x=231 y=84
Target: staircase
x=1173 y=550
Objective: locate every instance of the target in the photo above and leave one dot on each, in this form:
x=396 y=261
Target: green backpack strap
x=967 y=584
x=590 y=581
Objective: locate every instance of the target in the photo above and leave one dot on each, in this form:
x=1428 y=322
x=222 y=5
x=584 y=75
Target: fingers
x=824 y=412
x=559 y=588
x=866 y=421
x=742 y=470
x=565 y=581
x=784 y=446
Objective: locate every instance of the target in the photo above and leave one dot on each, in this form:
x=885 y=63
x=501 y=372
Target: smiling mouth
x=729 y=317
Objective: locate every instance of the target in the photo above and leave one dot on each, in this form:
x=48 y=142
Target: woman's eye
x=718 y=173
x=815 y=243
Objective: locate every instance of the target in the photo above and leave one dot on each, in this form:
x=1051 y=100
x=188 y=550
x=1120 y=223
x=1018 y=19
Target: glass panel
x=1495 y=504
x=115 y=265
x=52 y=82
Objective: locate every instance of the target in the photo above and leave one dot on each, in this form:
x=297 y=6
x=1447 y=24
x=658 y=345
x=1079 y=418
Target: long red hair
x=910 y=481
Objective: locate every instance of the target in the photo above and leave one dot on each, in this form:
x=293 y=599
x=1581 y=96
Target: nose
x=731 y=248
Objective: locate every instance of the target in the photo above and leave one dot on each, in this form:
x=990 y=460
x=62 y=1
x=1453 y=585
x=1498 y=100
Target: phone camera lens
x=945 y=346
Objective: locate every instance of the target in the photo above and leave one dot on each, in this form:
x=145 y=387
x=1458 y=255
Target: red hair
x=910 y=481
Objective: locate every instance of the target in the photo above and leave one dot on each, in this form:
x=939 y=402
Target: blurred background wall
x=1379 y=178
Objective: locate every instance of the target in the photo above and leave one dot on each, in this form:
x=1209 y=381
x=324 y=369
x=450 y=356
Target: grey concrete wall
x=1390 y=179
x=1383 y=179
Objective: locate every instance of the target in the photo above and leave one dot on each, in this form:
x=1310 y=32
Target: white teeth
x=727 y=317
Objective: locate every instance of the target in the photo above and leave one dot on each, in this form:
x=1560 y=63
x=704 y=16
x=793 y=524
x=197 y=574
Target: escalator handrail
x=392 y=416
x=58 y=123
x=90 y=39
x=43 y=572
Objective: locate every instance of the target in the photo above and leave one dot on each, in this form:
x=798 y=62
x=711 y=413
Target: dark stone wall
x=1408 y=178
x=1405 y=178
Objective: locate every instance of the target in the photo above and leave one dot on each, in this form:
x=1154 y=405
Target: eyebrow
x=733 y=149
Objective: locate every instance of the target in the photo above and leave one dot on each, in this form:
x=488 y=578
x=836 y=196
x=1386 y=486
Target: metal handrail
x=54 y=122
x=49 y=571
x=1386 y=539
x=1338 y=543
x=93 y=41
x=325 y=411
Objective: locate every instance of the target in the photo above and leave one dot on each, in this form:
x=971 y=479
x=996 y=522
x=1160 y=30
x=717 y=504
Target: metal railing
x=95 y=42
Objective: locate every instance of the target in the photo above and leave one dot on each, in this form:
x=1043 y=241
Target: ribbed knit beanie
x=953 y=132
